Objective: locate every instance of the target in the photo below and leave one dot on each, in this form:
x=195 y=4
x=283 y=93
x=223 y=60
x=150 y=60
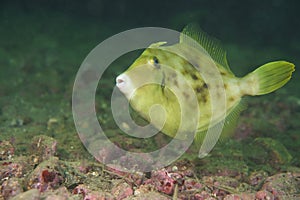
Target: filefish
x=194 y=69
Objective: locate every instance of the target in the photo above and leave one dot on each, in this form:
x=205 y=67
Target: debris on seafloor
x=24 y=177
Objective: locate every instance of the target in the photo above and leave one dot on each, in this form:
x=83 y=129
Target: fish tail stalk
x=267 y=78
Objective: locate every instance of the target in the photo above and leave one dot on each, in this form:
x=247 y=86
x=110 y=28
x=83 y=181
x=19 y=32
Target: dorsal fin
x=157 y=44
x=211 y=45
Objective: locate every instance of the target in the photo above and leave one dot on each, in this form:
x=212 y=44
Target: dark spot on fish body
x=219 y=86
x=202 y=98
x=175 y=82
x=194 y=76
x=199 y=89
x=231 y=99
x=202 y=94
x=186 y=95
x=173 y=75
x=171 y=78
x=197 y=66
x=225 y=86
x=223 y=73
x=184 y=72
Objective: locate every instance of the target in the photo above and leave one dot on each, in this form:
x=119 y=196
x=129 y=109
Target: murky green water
x=42 y=45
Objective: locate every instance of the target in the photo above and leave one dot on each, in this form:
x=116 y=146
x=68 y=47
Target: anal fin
x=206 y=140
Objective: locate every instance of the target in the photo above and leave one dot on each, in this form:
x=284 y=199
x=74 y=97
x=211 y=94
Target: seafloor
x=41 y=155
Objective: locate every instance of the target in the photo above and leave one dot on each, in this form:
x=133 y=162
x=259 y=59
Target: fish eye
x=154 y=61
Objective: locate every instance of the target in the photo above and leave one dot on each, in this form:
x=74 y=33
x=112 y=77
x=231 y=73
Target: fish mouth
x=125 y=85
x=120 y=81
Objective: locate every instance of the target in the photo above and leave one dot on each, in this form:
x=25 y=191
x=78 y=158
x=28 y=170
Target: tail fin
x=269 y=77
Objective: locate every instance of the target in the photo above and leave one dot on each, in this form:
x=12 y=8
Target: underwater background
x=44 y=42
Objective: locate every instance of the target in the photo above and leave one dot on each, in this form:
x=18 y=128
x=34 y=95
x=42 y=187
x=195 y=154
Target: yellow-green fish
x=176 y=76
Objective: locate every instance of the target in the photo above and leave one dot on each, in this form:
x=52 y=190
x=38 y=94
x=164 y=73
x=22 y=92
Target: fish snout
x=124 y=84
x=121 y=80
